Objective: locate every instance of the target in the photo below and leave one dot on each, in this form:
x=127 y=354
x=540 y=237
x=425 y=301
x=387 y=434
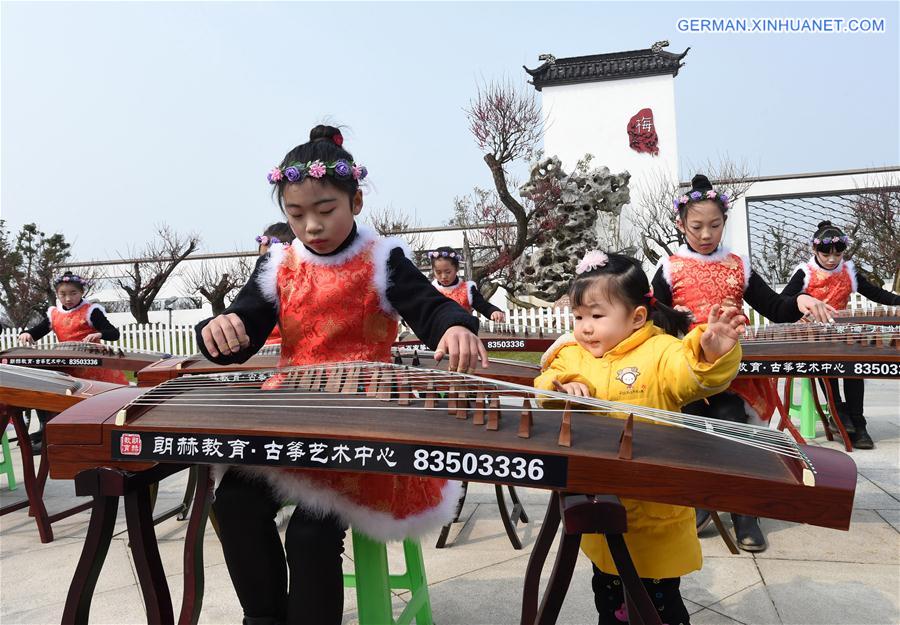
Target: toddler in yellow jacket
x=621 y=351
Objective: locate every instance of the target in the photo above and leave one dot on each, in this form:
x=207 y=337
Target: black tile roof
x=613 y=66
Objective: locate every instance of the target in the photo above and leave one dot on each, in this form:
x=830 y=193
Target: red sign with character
x=130 y=445
x=642 y=133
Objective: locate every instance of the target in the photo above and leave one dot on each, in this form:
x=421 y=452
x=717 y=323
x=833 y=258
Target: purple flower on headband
x=724 y=197
x=274 y=176
x=342 y=168
x=293 y=174
x=696 y=195
x=317 y=169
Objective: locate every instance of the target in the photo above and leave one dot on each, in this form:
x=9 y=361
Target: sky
x=116 y=117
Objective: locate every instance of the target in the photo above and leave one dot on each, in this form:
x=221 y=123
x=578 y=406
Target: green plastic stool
x=373 y=583
x=6 y=466
x=806 y=409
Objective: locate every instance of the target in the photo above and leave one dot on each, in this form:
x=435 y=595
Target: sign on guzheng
x=346 y=455
x=27 y=361
x=816 y=368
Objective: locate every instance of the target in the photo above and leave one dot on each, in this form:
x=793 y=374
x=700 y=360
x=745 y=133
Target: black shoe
x=704 y=518
x=748 y=532
x=848 y=424
x=37 y=442
x=861 y=439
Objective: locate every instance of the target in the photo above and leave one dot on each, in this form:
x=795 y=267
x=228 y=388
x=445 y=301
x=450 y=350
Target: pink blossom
x=592 y=260
x=684 y=199
x=711 y=195
x=275 y=174
x=317 y=169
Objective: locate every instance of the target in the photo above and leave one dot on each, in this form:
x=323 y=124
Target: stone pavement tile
x=820 y=593
x=49 y=570
x=751 y=605
x=114 y=607
x=534 y=499
x=493 y=595
x=719 y=578
x=884 y=456
x=484 y=530
x=692 y=607
x=891 y=516
x=872 y=496
x=887 y=479
x=710 y=617
x=351 y=616
x=870 y=539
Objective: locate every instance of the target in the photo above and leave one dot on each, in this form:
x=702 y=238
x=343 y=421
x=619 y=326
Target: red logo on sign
x=130 y=445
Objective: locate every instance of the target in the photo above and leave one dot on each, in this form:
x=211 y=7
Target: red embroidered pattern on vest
x=699 y=284
x=458 y=293
x=75 y=325
x=833 y=288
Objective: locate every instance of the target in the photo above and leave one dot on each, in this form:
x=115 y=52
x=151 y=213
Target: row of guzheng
x=821 y=350
x=880 y=314
x=80 y=354
x=359 y=416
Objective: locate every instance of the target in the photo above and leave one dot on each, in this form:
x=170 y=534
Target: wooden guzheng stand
x=422 y=422
x=21 y=389
x=816 y=350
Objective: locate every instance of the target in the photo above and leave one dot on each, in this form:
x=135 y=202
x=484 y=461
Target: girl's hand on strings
x=26 y=339
x=572 y=388
x=724 y=327
x=93 y=338
x=498 y=316
x=815 y=309
x=225 y=335
x=464 y=348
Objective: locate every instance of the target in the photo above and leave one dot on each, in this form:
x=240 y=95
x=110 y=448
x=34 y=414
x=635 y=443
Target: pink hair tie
x=594 y=259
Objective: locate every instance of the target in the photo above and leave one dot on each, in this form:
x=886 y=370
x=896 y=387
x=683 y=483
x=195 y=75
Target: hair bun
x=824 y=224
x=700 y=183
x=326 y=133
x=68 y=273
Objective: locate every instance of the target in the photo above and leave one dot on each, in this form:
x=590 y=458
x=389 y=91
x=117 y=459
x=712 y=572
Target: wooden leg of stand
x=785 y=422
x=193 y=472
x=93 y=554
x=35 y=501
x=192 y=597
x=145 y=550
x=641 y=610
x=560 y=578
x=508 y=524
x=537 y=559
x=832 y=406
x=445 y=531
x=522 y=516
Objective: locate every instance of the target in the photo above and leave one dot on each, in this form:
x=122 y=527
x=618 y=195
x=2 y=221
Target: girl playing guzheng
x=701 y=274
x=827 y=276
x=73 y=319
x=275 y=234
x=445 y=267
x=623 y=351
x=337 y=293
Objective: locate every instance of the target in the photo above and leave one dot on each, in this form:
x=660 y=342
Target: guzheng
x=821 y=350
x=435 y=423
x=80 y=354
x=24 y=388
x=877 y=315
x=268 y=356
x=502 y=337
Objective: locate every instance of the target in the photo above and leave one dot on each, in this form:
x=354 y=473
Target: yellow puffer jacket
x=649 y=368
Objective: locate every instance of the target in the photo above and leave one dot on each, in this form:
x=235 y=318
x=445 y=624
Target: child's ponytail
x=674 y=322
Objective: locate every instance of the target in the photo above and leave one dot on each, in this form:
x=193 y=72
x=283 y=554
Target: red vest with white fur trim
x=699 y=281
x=75 y=325
x=460 y=293
x=335 y=308
x=833 y=287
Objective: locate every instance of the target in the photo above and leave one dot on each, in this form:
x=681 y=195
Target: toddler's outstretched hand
x=572 y=388
x=724 y=327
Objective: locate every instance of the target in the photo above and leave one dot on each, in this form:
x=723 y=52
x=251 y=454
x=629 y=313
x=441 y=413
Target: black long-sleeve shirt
x=863 y=287
x=478 y=302
x=759 y=295
x=424 y=309
x=108 y=332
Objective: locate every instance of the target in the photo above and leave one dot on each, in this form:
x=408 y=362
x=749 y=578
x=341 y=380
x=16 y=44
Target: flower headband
x=70 y=279
x=592 y=260
x=694 y=196
x=444 y=254
x=295 y=172
x=267 y=240
x=831 y=240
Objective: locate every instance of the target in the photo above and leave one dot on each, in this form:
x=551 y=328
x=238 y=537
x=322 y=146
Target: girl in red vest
x=278 y=233
x=827 y=276
x=337 y=292
x=73 y=319
x=445 y=267
x=701 y=274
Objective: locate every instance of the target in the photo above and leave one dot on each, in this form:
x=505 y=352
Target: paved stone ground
x=808 y=575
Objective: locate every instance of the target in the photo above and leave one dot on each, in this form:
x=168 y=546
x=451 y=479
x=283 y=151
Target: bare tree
x=875 y=232
x=216 y=280
x=389 y=221
x=145 y=277
x=780 y=255
x=653 y=217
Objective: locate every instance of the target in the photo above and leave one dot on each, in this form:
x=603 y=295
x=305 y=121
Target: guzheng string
x=295 y=391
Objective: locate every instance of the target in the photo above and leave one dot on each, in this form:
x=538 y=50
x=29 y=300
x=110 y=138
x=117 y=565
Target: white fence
x=179 y=340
